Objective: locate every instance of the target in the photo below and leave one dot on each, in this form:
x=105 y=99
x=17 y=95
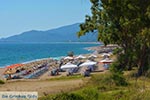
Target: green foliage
x=90 y=94
x=2 y=82
x=70 y=53
x=109 y=80
x=126 y=23
x=72 y=77
x=119 y=79
x=85 y=94
x=117 y=74
x=102 y=80
x=102 y=87
x=68 y=96
x=145 y=95
x=117 y=51
x=64 y=96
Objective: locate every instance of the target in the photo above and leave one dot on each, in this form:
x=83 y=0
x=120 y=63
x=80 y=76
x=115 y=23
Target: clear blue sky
x=17 y=16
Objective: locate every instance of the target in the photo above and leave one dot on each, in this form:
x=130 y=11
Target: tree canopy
x=126 y=23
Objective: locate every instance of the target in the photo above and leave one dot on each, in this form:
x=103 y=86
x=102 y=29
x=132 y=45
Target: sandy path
x=42 y=87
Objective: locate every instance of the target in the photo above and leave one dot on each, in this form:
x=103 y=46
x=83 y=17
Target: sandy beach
x=44 y=86
x=2 y=70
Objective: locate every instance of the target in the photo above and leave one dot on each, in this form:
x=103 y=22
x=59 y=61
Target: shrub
x=119 y=79
x=85 y=94
x=103 y=80
x=117 y=74
x=90 y=94
x=2 y=82
x=68 y=96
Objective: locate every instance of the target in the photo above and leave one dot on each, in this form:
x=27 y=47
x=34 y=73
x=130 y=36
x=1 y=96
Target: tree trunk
x=142 y=62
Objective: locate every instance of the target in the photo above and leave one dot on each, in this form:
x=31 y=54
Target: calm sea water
x=19 y=53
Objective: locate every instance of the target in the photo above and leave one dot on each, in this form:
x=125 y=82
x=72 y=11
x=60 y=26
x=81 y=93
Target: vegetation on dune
x=102 y=87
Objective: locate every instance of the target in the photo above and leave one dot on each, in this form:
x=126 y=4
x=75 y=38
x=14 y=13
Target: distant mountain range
x=62 y=34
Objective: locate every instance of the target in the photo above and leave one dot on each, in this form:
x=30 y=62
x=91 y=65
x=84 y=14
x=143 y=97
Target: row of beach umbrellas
x=79 y=57
x=86 y=63
x=70 y=65
x=83 y=57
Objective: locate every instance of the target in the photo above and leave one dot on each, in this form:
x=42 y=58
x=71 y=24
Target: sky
x=17 y=16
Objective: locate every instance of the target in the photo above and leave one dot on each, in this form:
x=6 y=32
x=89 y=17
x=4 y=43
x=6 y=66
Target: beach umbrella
x=88 y=63
x=92 y=55
x=68 y=66
x=14 y=66
x=105 y=54
x=80 y=57
x=107 y=60
x=68 y=57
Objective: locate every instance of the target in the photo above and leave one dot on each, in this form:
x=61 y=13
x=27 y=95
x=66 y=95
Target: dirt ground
x=42 y=86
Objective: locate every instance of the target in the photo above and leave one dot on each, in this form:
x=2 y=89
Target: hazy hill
x=61 y=34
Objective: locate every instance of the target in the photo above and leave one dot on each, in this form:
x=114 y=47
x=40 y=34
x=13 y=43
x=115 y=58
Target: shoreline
x=55 y=57
x=53 y=61
x=102 y=48
x=43 y=83
x=49 y=42
x=99 y=49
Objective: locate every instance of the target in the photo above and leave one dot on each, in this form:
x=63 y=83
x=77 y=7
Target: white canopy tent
x=106 y=61
x=88 y=63
x=80 y=57
x=68 y=66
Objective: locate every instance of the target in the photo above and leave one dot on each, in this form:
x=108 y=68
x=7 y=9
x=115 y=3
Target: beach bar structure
x=10 y=70
x=14 y=66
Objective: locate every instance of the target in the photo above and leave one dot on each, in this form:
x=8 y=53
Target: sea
x=12 y=53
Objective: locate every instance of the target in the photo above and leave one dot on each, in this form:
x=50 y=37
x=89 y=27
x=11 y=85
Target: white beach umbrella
x=92 y=55
x=106 y=61
x=105 y=54
x=68 y=57
x=88 y=63
x=68 y=66
x=110 y=53
x=80 y=57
